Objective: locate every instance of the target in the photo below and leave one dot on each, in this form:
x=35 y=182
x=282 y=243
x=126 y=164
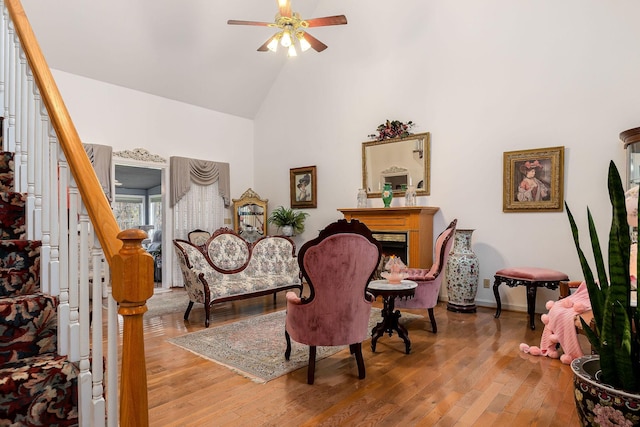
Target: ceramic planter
x=599 y=404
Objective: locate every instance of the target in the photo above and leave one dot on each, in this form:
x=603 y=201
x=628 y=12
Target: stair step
x=37 y=386
x=39 y=391
x=19 y=267
x=7 y=167
x=28 y=327
x=12 y=215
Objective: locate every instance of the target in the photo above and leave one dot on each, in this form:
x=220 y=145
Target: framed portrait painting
x=533 y=180
x=303 y=185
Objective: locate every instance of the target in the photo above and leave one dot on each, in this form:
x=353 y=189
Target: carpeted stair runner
x=38 y=387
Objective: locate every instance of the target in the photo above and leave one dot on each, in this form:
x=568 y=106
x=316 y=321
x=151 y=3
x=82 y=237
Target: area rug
x=173 y=301
x=254 y=347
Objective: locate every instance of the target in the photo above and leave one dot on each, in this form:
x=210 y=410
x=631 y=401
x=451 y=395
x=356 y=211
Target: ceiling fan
x=292 y=28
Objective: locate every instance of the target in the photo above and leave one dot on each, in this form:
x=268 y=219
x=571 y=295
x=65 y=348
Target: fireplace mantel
x=416 y=221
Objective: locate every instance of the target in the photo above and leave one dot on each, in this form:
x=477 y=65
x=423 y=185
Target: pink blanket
x=560 y=327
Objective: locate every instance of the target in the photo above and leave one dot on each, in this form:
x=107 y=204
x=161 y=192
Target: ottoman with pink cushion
x=532 y=278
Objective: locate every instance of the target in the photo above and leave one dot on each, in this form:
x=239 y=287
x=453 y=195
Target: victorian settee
x=227 y=268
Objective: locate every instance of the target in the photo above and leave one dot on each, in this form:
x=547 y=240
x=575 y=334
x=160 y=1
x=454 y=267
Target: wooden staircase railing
x=131 y=266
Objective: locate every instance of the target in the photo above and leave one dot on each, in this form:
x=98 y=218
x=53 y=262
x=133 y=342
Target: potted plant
x=289 y=220
x=607 y=385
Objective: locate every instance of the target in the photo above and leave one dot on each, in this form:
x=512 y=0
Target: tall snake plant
x=615 y=335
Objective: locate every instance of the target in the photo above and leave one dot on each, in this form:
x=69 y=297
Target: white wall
x=484 y=77
x=126 y=119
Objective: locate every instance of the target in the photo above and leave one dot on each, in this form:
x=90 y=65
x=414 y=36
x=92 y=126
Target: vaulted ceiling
x=178 y=49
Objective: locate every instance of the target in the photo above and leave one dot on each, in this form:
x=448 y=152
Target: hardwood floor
x=471 y=373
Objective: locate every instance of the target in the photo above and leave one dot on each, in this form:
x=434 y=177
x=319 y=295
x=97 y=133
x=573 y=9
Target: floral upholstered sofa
x=227 y=267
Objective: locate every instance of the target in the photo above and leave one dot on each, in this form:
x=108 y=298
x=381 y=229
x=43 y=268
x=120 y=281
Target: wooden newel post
x=132 y=286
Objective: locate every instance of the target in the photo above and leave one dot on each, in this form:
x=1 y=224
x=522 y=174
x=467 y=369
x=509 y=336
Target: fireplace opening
x=393 y=243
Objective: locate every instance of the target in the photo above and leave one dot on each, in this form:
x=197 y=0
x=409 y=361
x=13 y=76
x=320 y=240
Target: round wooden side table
x=389 y=292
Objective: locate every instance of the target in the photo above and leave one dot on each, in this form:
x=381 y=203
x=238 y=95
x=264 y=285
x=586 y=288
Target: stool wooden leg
x=531 y=304
x=496 y=283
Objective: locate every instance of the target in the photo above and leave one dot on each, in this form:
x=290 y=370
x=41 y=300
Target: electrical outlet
x=486 y=283
x=227 y=221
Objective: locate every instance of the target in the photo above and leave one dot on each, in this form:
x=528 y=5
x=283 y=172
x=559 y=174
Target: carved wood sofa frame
x=228 y=268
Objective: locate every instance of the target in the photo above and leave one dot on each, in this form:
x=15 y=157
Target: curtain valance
x=184 y=171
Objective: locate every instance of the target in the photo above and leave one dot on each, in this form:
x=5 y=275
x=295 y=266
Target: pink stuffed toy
x=560 y=327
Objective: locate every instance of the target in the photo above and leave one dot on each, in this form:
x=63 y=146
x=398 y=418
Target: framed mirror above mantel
x=402 y=162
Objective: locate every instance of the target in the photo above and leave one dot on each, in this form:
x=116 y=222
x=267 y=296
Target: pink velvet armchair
x=337 y=265
x=429 y=280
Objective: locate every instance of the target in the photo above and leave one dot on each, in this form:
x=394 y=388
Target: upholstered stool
x=532 y=278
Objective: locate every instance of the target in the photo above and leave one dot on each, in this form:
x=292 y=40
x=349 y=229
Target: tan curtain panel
x=183 y=171
x=101 y=157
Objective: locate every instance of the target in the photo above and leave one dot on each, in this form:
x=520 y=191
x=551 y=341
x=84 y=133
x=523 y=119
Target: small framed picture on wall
x=533 y=180
x=303 y=187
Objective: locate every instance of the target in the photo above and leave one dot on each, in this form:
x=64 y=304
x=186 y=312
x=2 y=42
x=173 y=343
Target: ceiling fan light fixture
x=285 y=40
x=291 y=29
x=304 y=44
x=273 y=44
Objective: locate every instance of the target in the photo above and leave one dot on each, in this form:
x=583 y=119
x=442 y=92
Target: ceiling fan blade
x=285 y=8
x=264 y=47
x=256 y=23
x=316 y=44
x=327 y=20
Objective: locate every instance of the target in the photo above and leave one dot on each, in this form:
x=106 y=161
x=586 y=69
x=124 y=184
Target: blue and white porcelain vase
x=387 y=194
x=463 y=271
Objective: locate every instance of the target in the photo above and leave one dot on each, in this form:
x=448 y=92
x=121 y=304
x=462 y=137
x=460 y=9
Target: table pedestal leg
x=389 y=324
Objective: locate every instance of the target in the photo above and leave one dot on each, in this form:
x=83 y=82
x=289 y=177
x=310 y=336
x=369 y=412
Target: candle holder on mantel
x=362 y=198
x=410 y=196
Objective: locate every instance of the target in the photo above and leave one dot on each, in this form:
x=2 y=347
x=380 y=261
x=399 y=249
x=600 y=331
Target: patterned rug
x=254 y=347
x=173 y=301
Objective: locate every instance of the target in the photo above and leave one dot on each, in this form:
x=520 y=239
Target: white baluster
x=39 y=142
x=97 y=368
x=11 y=91
x=72 y=268
x=113 y=334
x=85 y=381
x=22 y=115
x=60 y=241
x=44 y=196
x=3 y=59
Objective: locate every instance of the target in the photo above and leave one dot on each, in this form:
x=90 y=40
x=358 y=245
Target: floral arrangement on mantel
x=392 y=129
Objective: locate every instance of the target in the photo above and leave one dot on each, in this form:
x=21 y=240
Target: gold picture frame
x=533 y=180
x=303 y=184
x=398 y=161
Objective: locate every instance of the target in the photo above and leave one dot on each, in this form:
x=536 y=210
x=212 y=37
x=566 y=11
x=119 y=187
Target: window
x=155 y=208
x=129 y=211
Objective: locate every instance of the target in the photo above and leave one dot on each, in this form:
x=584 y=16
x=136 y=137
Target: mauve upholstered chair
x=429 y=280
x=337 y=265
